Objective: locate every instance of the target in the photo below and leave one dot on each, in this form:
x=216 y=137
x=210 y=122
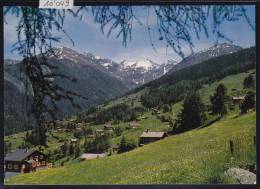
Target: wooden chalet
x=24 y=161
x=151 y=136
x=89 y=156
x=237 y=99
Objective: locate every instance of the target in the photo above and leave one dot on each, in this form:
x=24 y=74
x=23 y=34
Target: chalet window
x=43 y=163
x=23 y=166
x=31 y=158
x=36 y=158
x=41 y=156
x=10 y=166
x=16 y=167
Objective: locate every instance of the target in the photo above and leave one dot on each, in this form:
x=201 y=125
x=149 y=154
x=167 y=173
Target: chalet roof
x=31 y=161
x=19 y=154
x=108 y=126
x=238 y=97
x=152 y=134
x=88 y=156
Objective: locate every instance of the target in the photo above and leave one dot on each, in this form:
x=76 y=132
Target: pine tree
x=248 y=103
x=249 y=82
x=218 y=100
x=122 y=144
x=64 y=148
x=77 y=150
x=71 y=149
x=192 y=114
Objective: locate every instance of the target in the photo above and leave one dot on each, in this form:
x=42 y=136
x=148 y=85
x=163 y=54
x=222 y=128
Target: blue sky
x=88 y=38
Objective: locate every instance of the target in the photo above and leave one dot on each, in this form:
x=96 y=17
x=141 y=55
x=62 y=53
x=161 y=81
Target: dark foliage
x=248 y=103
x=172 y=87
x=168 y=94
x=98 y=145
x=126 y=145
x=218 y=100
x=166 y=108
x=192 y=115
x=64 y=149
x=121 y=112
x=249 y=82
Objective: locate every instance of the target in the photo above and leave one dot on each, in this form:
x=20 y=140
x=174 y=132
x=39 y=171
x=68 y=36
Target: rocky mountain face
x=212 y=52
x=87 y=78
x=134 y=73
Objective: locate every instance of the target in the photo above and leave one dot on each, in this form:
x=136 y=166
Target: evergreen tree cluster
x=218 y=100
x=126 y=144
x=249 y=82
x=121 y=112
x=192 y=115
x=98 y=145
x=172 y=87
x=248 y=103
x=167 y=94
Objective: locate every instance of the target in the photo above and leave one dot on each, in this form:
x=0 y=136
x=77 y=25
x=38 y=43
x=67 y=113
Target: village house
x=114 y=147
x=108 y=128
x=24 y=161
x=88 y=156
x=74 y=140
x=151 y=136
x=100 y=132
x=237 y=99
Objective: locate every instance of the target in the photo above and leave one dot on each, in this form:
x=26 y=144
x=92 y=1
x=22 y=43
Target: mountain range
x=98 y=79
x=206 y=54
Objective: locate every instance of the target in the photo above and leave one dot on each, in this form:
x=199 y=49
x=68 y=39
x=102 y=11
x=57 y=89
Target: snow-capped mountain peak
x=143 y=64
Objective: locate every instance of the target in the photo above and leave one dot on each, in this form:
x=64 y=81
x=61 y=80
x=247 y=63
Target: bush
x=118 y=130
x=248 y=103
x=98 y=145
x=126 y=145
x=166 y=108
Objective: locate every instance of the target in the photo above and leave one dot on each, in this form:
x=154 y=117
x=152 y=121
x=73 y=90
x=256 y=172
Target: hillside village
x=149 y=120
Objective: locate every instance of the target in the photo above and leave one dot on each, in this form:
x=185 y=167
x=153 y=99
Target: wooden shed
x=151 y=136
x=237 y=99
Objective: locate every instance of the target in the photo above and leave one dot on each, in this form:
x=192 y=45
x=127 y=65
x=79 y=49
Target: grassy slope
x=197 y=156
x=152 y=123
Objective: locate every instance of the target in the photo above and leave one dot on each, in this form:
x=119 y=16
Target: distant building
x=114 y=147
x=88 y=156
x=108 y=127
x=100 y=131
x=74 y=140
x=24 y=161
x=237 y=99
x=151 y=136
x=134 y=124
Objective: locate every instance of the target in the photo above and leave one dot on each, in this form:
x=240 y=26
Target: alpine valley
x=98 y=79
